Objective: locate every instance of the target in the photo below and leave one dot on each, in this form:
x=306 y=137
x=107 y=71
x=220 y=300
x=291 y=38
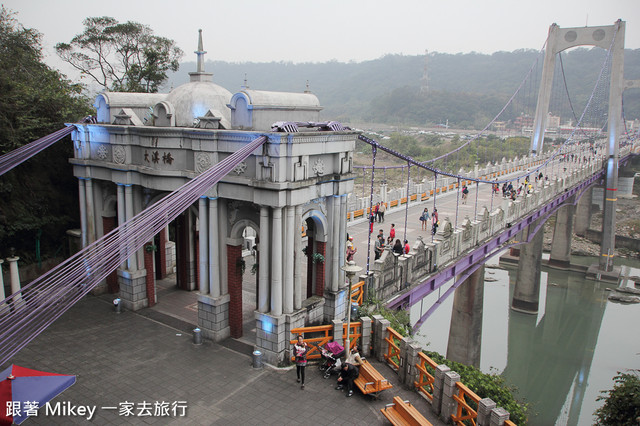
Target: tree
x=121 y=57
x=622 y=403
x=34 y=102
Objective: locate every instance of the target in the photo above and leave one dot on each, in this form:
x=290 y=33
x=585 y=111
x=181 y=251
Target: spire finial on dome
x=200 y=74
x=200 y=52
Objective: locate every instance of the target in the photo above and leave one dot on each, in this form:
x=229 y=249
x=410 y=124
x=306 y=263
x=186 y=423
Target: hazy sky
x=322 y=30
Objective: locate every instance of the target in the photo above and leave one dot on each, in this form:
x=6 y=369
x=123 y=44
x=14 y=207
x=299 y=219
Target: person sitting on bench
x=348 y=374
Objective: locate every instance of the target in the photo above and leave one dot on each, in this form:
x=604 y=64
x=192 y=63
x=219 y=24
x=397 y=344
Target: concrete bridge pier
x=561 y=248
x=465 y=333
x=583 y=213
x=526 y=294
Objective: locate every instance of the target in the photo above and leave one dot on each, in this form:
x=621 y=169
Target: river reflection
x=559 y=359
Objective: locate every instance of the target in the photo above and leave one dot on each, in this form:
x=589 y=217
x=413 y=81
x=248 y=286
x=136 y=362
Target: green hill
x=466 y=89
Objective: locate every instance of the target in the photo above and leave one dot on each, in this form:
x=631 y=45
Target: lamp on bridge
x=351 y=269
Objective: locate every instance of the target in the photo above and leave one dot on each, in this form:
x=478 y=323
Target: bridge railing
x=358 y=207
x=357 y=293
x=393 y=349
x=426 y=375
x=449 y=397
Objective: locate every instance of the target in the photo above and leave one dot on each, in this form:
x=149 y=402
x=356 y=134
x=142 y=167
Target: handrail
x=425 y=381
x=354 y=334
x=462 y=406
x=393 y=348
x=357 y=293
x=314 y=342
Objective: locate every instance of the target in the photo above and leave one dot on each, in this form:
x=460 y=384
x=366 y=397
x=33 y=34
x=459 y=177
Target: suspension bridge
x=260 y=166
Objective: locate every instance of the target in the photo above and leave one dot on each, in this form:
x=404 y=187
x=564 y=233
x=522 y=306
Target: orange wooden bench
x=403 y=413
x=370 y=381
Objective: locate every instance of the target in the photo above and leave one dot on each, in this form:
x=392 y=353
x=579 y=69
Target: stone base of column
x=335 y=305
x=524 y=306
x=314 y=307
x=295 y=320
x=272 y=339
x=594 y=273
x=509 y=259
x=133 y=289
x=559 y=264
x=213 y=317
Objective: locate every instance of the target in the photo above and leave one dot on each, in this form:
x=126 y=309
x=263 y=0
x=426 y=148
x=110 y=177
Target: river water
x=560 y=359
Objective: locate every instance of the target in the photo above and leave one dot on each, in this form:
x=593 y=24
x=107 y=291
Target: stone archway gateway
x=145 y=145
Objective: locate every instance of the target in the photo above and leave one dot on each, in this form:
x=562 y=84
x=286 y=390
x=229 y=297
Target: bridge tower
x=607 y=37
x=145 y=146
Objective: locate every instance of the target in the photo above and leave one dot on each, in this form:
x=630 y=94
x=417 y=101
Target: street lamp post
x=351 y=269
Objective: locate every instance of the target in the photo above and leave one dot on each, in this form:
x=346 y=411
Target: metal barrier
x=426 y=378
x=393 y=350
x=464 y=411
x=325 y=336
x=357 y=293
x=314 y=342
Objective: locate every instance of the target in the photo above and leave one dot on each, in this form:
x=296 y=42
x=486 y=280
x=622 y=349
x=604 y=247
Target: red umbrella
x=23 y=391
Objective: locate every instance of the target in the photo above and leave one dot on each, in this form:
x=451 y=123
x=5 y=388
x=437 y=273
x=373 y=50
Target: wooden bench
x=403 y=413
x=370 y=381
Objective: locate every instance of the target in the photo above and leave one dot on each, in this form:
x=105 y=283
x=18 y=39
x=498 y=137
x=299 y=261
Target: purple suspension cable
x=26 y=313
x=12 y=159
x=406 y=210
x=373 y=173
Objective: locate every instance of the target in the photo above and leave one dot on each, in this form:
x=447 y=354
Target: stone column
x=289 y=259
x=214 y=244
x=499 y=416
x=583 y=213
x=15 y=277
x=214 y=308
x=299 y=292
x=132 y=261
x=132 y=281
x=342 y=241
x=222 y=255
x=560 y=256
x=335 y=245
x=438 y=386
x=366 y=336
x=379 y=334
x=82 y=194
x=121 y=219
x=484 y=411
x=448 y=390
x=526 y=294
x=465 y=333
x=338 y=331
x=203 y=246
x=276 y=262
x=263 y=266
x=90 y=212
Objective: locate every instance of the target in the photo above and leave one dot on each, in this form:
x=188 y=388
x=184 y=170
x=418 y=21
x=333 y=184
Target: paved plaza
x=147 y=358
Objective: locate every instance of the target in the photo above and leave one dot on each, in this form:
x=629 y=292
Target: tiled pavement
x=148 y=356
